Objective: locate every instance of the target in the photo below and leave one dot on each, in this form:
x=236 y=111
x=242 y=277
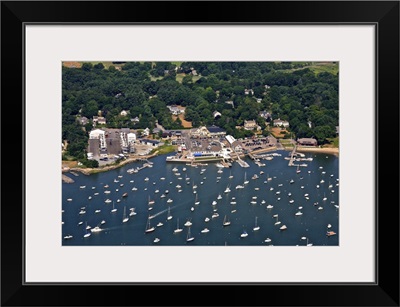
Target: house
x=100 y=135
x=216 y=114
x=248 y=91
x=230 y=139
x=124 y=113
x=135 y=120
x=146 y=132
x=250 y=124
x=278 y=122
x=82 y=120
x=148 y=142
x=307 y=142
x=156 y=130
x=99 y=120
x=176 y=110
x=258 y=100
x=131 y=137
x=215 y=131
x=265 y=114
x=230 y=102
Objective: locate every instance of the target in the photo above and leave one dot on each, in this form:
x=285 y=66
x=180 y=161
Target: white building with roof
x=100 y=135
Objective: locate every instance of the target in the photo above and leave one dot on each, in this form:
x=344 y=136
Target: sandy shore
x=326 y=150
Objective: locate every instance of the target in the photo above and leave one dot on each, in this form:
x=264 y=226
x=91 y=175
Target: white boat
x=68 y=237
x=215 y=215
x=133 y=212
x=219 y=196
x=90 y=197
x=107 y=201
x=189 y=237
x=239 y=187
x=256 y=227
x=270 y=206
x=102 y=222
x=150 y=201
x=245 y=180
x=267 y=240
x=277 y=219
x=244 y=234
x=169 y=216
x=227 y=190
x=160 y=224
x=188 y=223
x=82 y=187
x=226 y=221
x=97 y=211
x=298 y=170
x=214 y=202
x=283 y=227
x=169 y=200
x=113 y=209
x=206 y=219
x=291 y=201
x=177 y=227
x=82 y=212
x=156 y=240
x=205 y=230
x=291 y=181
x=308 y=244
x=299 y=213
x=329 y=226
x=96 y=229
x=149 y=228
x=87 y=233
x=196 y=201
x=125 y=218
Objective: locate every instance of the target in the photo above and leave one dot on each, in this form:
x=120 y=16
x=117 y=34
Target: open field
x=185 y=123
x=277 y=132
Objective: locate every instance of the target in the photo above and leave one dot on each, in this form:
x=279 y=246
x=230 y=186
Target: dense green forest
x=303 y=93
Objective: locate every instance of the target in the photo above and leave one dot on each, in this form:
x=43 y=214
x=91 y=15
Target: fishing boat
x=330 y=233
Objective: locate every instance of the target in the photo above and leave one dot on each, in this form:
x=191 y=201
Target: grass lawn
x=165 y=149
x=334 y=142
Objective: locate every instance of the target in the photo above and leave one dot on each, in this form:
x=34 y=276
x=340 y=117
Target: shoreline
x=89 y=171
x=326 y=150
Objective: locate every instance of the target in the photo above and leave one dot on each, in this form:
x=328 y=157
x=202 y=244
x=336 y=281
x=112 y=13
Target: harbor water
x=305 y=199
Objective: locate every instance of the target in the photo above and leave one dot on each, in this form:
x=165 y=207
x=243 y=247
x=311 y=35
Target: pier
x=292 y=156
x=67 y=179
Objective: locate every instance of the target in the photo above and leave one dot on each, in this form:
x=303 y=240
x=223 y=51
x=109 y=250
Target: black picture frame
x=383 y=14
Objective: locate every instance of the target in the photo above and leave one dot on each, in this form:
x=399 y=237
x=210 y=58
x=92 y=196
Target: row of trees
x=288 y=90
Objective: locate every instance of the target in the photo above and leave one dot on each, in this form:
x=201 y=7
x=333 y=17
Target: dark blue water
x=244 y=216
